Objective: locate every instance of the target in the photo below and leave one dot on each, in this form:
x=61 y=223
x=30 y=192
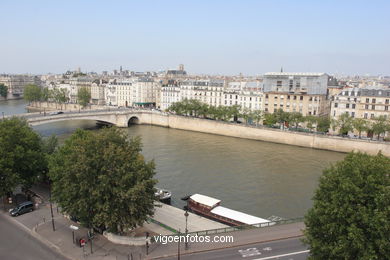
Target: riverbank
x=309 y=140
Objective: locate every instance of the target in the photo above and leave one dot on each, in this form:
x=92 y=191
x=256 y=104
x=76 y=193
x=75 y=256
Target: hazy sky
x=210 y=37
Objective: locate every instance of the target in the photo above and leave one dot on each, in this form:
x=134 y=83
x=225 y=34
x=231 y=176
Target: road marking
x=249 y=252
x=276 y=256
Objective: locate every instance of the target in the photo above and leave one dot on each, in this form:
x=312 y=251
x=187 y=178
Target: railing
x=242 y=227
x=163 y=225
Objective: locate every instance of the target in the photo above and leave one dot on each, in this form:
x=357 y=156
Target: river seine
x=254 y=177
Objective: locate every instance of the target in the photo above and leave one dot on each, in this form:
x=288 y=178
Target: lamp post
x=186 y=241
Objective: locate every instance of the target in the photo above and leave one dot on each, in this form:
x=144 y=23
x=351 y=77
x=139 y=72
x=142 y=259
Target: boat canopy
x=238 y=216
x=205 y=200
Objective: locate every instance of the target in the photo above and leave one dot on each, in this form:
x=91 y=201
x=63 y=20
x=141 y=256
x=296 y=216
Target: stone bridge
x=118 y=117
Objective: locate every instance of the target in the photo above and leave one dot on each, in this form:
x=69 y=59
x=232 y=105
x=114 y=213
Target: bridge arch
x=133 y=121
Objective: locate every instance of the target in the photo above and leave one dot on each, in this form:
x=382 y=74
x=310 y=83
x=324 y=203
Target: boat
x=210 y=207
x=163 y=195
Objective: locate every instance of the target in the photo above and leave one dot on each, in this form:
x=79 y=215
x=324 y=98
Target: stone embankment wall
x=52 y=106
x=332 y=143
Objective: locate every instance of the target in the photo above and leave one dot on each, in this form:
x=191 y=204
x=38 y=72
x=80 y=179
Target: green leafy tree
x=360 y=125
x=32 y=93
x=102 y=178
x=350 y=217
x=296 y=118
x=269 y=119
x=3 y=90
x=344 y=123
x=379 y=126
x=45 y=94
x=257 y=116
x=83 y=96
x=21 y=157
x=311 y=122
x=323 y=124
x=246 y=114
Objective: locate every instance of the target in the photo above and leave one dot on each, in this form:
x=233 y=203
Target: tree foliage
x=102 y=179
x=21 y=157
x=3 y=90
x=32 y=93
x=350 y=218
x=83 y=96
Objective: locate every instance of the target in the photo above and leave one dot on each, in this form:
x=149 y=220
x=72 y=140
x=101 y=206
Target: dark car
x=22 y=208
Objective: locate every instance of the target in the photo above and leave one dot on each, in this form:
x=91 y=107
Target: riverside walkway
x=175 y=219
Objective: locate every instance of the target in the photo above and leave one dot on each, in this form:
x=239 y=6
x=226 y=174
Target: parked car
x=22 y=208
x=56 y=113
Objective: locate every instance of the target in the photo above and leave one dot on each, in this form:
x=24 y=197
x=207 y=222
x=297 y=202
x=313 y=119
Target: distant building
x=17 y=83
x=367 y=103
x=305 y=93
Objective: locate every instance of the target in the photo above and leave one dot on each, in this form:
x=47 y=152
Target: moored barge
x=211 y=208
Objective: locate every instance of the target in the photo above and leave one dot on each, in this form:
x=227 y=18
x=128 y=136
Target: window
x=387 y=101
x=336 y=104
x=372 y=116
x=366 y=106
x=279 y=83
x=353 y=106
x=266 y=95
x=373 y=107
x=295 y=97
x=288 y=97
x=346 y=105
x=353 y=114
x=365 y=115
x=301 y=98
x=373 y=100
x=367 y=100
x=386 y=108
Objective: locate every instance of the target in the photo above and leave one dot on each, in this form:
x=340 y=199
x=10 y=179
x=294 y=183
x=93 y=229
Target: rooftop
x=205 y=200
x=238 y=216
x=294 y=74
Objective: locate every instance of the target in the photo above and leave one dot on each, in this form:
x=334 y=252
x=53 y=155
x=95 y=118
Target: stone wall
x=332 y=143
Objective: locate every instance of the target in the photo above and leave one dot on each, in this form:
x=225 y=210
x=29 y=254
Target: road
x=17 y=244
x=287 y=249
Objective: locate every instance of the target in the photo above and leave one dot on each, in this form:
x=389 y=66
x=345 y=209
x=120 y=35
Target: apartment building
x=133 y=92
x=368 y=102
x=208 y=91
x=305 y=93
x=97 y=92
x=170 y=93
x=247 y=95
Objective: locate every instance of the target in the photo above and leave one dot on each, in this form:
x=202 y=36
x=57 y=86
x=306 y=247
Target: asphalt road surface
x=287 y=249
x=17 y=244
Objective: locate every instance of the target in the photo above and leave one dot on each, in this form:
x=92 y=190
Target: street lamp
x=186 y=241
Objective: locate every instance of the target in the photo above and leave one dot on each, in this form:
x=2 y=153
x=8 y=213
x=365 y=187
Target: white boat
x=163 y=195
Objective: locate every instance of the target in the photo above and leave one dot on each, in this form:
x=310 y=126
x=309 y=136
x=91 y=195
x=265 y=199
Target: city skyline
x=222 y=37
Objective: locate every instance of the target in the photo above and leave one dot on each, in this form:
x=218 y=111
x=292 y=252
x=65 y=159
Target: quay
x=174 y=218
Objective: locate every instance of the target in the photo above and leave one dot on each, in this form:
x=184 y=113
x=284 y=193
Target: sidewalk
x=39 y=224
x=244 y=237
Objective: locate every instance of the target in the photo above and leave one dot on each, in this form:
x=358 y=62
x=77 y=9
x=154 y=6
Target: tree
x=32 y=93
x=246 y=114
x=296 y=118
x=350 y=217
x=257 y=116
x=379 y=125
x=323 y=124
x=83 y=96
x=102 y=179
x=21 y=157
x=344 y=123
x=3 y=90
x=45 y=94
x=360 y=125
x=269 y=119
x=311 y=122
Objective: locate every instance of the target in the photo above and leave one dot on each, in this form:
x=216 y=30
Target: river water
x=254 y=177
